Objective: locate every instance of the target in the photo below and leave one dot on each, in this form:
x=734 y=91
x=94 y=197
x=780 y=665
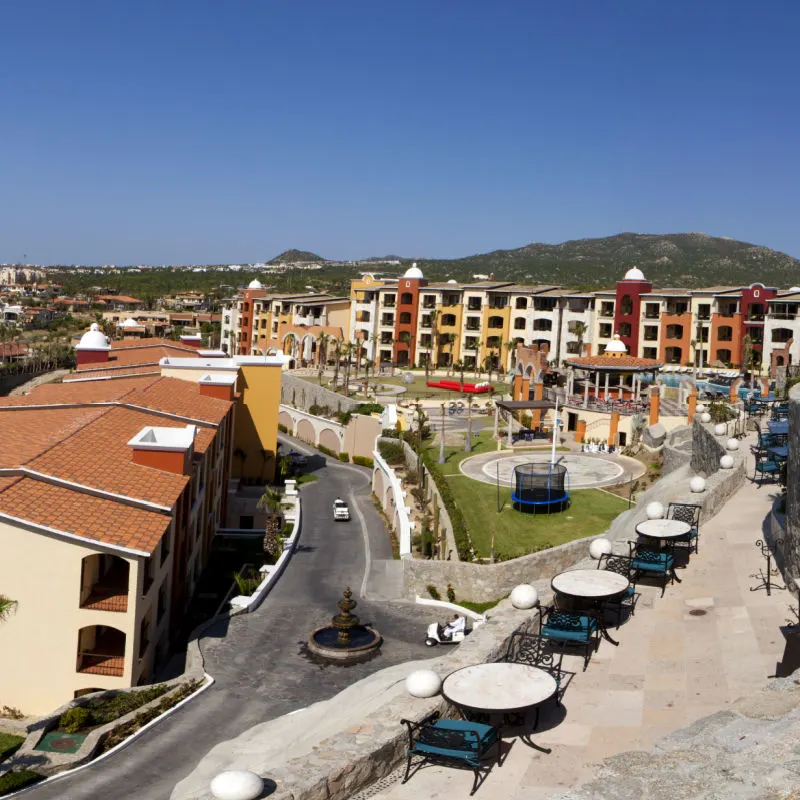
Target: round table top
x=499 y=687
x=663 y=528
x=594 y=583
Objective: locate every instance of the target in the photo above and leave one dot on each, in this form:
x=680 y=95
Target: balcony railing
x=782 y=315
x=755 y=317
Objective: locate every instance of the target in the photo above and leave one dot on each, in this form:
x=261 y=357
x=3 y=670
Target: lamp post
x=441 y=442
x=555 y=433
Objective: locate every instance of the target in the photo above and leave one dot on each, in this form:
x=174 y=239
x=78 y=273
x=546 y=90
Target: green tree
x=7 y=606
x=270 y=503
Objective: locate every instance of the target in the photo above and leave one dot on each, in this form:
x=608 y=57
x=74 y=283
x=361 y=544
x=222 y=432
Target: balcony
x=606 y=312
x=473 y=305
x=108 y=591
x=756 y=317
x=101 y=651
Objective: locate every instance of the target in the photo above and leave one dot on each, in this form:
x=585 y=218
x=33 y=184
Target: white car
x=341 y=513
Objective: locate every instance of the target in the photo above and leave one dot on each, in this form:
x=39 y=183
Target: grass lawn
x=516 y=533
x=9 y=744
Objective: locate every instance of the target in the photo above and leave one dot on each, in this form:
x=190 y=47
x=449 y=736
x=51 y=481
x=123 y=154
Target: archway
x=104 y=582
x=285 y=419
x=329 y=439
x=305 y=431
x=101 y=651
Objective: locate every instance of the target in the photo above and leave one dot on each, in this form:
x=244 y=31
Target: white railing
x=404 y=532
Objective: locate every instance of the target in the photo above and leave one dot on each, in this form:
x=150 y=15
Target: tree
x=347 y=351
x=478 y=348
x=368 y=365
x=405 y=338
x=511 y=349
x=468 y=442
x=7 y=606
x=459 y=367
x=580 y=331
x=337 y=358
x=748 y=358
x=322 y=347
x=270 y=503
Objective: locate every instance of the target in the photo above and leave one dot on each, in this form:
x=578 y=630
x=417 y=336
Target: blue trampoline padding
x=550 y=502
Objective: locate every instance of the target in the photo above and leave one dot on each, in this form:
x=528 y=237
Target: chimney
x=93 y=347
x=168 y=449
x=219 y=385
x=192 y=340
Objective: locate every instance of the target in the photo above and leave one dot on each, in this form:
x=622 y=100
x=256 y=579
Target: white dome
x=795 y=289
x=634 y=274
x=130 y=323
x=617 y=346
x=255 y=284
x=93 y=339
x=453 y=280
x=413 y=271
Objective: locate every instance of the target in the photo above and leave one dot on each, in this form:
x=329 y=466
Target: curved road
x=258 y=659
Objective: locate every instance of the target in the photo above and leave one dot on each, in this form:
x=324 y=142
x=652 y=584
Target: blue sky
x=201 y=131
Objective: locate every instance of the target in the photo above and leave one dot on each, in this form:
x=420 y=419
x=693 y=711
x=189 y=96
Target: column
x=525 y=392
x=692 y=403
x=516 y=392
x=655 y=402
x=620 y=387
x=586 y=392
x=510 y=419
x=538 y=394
x=596 y=385
x=496 y=415
x=608 y=374
x=580 y=431
x=613 y=428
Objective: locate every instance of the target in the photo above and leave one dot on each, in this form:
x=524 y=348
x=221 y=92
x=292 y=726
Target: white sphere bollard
x=654 y=510
x=720 y=429
x=524 y=596
x=732 y=444
x=705 y=417
x=423 y=683
x=726 y=462
x=237 y=784
x=701 y=407
x=697 y=484
x=599 y=547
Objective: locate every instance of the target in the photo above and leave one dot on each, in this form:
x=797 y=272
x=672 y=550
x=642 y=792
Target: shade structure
x=539 y=486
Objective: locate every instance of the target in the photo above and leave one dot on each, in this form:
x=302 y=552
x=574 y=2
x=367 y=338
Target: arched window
x=101 y=651
x=406 y=299
x=405 y=318
x=495 y=322
x=626 y=305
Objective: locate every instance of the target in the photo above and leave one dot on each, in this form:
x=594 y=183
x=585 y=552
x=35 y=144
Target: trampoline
x=538 y=486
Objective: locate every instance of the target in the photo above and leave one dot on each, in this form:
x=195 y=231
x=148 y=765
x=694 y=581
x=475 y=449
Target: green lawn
x=516 y=533
x=9 y=744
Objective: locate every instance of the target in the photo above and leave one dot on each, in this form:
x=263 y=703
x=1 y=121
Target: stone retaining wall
x=303 y=394
x=677 y=450
x=707 y=449
x=792 y=540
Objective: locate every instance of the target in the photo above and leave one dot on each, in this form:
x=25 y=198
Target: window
x=543 y=324
x=626 y=306
x=389 y=300
x=521 y=303
x=781 y=335
x=448 y=319
x=162 y=602
x=425 y=322
x=649 y=352
x=495 y=322
x=606 y=309
x=678 y=307
x=405 y=317
x=725 y=334
x=406 y=299
x=451 y=300
x=572 y=348
x=471 y=343
x=519 y=324
x=605 y=330
x=387 y=319
x=674 y=332
x=144 y=636
x=724 y=355
x=651 y=333
x=425 y=340
x=473 y=324
x=165 y=545
x=498 y=302
x=493 y=341
x=651 y=310
x=704 y=311
x=544 y=303
x=429 y=301
x=673 y=355
x=386 y=337
x=625 y=329
x=474 y=304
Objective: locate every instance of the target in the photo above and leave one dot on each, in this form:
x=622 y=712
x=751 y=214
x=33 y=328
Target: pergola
x=510 y=406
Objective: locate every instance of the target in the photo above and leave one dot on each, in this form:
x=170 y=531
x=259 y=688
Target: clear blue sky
x=194 y=131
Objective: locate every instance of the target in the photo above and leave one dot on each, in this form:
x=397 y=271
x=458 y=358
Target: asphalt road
x=259 y=660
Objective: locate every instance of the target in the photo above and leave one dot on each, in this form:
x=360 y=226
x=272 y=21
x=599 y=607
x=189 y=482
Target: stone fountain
x=345 y=640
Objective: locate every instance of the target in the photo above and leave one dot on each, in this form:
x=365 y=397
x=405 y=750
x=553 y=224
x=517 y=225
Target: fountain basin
x=364 y=642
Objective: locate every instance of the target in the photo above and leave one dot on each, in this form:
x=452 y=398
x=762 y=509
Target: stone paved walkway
x=671 y=668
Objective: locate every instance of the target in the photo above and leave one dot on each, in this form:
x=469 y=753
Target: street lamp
x=441 y=442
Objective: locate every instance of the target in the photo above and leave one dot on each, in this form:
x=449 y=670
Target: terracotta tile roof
x=29 y=432
x=143 y=344
x=621 y=363
x=87 y=391
x=115 y=372
x=183 y=398
x=83 y=515
x=99 y=456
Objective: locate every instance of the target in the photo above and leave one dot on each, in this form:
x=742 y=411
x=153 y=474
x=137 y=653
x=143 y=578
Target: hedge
x=344 y=457
x=12 y=781
x=363 y=461
x=327 y=451
x=282 y=428
x=460 y=534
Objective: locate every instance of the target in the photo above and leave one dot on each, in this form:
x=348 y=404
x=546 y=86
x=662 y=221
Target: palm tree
x=405 y=338
x=468 y=442
x=511 y=349
x=337 y=358
x=270 y=502
x=322 y=347
x=347 y=351
x=368 y=365
x=478 y=348
x=459 y=367
x=579 y=329
x=7 y=606
x=748 y=358
x=434 y=336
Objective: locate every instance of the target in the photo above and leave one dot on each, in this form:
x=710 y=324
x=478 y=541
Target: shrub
x=363 y=461
x=344 y=457
x=318 y=410
x=246 y=582
x=327 y=451
x=107 y=709
x=433 y=592
x=392 y=452
x=282 y=428
x=451 y=593
x=287 y=528
x=12 y=781
x=73 y=719
x=344 y=416
x=370 y=408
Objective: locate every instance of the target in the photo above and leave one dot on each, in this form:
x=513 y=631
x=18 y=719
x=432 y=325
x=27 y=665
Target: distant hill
x=296 y=255
x=674 y=259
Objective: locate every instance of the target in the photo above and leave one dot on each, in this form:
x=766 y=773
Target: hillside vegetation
x=677 y=259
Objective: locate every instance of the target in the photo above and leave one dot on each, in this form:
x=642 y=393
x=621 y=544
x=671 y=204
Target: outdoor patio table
x=500 y=688
x=666 y=530
x=593 y=587
x=779 y=428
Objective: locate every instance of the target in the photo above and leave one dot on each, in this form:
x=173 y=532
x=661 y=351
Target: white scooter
x=451 y=633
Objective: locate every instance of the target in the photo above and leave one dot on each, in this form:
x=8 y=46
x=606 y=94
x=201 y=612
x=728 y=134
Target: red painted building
x=405 y=322
x=753 y=313
x=627 y=310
